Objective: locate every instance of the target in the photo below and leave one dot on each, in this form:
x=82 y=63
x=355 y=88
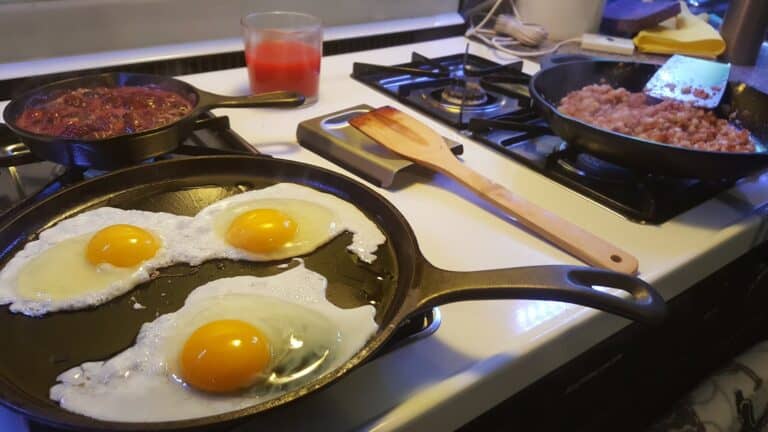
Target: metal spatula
x=685 y=79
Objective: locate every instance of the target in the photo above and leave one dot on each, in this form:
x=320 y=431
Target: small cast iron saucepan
x=399 y=283
x=745 y=105
x=123 y=150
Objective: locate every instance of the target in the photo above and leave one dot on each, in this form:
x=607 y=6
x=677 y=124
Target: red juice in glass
x=282 y=52
x=283 y=65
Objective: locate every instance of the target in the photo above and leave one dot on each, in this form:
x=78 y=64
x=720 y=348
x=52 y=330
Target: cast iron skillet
x=742 y=103
x=399 y=283
x=128 y=149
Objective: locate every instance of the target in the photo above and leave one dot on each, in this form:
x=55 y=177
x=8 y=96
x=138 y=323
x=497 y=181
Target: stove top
x=490 y=103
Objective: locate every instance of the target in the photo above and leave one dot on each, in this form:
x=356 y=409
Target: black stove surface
x=446 y=88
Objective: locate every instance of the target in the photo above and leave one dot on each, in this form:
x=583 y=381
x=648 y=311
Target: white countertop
x=485 y=351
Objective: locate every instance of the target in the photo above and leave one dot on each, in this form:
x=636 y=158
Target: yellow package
x=689 y=35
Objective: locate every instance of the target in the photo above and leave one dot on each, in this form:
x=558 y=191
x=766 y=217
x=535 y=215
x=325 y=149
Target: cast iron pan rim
x=24 y=98
x=609 y=134
x=283 y=402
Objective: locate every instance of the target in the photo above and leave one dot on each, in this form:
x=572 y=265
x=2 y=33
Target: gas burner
x=468 y=93
x=451 y=103
x=453 y=89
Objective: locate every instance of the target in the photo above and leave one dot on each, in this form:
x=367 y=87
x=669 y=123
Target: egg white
x=336 y=215
x=139 y=384
x=64 y=272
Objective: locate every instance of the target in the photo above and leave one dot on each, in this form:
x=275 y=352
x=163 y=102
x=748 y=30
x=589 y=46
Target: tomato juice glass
x=282 y=52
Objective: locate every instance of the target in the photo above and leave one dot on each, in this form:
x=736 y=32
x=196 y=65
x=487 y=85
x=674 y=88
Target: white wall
x=39 y=29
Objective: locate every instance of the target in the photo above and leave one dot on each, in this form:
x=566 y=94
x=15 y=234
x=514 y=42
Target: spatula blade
x=686 y=79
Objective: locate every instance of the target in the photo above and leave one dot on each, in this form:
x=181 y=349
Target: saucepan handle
x=570 y=284
x=279 y=99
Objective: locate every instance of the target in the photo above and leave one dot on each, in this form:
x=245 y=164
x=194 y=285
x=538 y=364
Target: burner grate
x=422 y=84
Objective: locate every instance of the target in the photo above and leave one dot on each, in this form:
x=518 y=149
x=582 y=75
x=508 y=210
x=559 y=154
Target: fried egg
x=236 y=342
x=281 y=221
x=92 y=258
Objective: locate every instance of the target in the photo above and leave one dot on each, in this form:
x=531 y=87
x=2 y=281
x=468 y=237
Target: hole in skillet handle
x=602 y=283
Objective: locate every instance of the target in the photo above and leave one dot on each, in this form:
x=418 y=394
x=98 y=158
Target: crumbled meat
x=701 y=93
x=668 y=122
x=102 y=112
x=686 y=90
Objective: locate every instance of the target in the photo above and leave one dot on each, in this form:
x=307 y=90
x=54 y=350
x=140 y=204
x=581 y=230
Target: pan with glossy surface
x=127 y=149
x=400 y=282
x=741 y=103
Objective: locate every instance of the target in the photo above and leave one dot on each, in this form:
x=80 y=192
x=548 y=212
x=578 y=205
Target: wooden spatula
x=414 y=140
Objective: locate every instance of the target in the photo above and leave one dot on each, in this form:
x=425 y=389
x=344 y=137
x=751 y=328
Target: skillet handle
x=279 y=99
x=570 y=284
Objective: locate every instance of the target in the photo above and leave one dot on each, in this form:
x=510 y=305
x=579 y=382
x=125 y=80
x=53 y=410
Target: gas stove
x=490 y=103
x=486 y=351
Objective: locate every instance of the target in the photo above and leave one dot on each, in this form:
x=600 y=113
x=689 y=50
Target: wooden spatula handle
x=573 y=239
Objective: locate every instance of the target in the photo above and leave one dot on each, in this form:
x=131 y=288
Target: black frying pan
x=742 y=103
x=400 y=282
x=123 y=150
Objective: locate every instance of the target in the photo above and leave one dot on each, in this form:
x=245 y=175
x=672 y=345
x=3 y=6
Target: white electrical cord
x=520 y=32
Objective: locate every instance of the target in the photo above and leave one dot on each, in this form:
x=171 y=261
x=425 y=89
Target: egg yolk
x=261 y=230
x=122 y=246
x=224 y=356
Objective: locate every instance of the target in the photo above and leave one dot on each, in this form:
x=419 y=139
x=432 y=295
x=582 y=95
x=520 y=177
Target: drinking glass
x=282 y=52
